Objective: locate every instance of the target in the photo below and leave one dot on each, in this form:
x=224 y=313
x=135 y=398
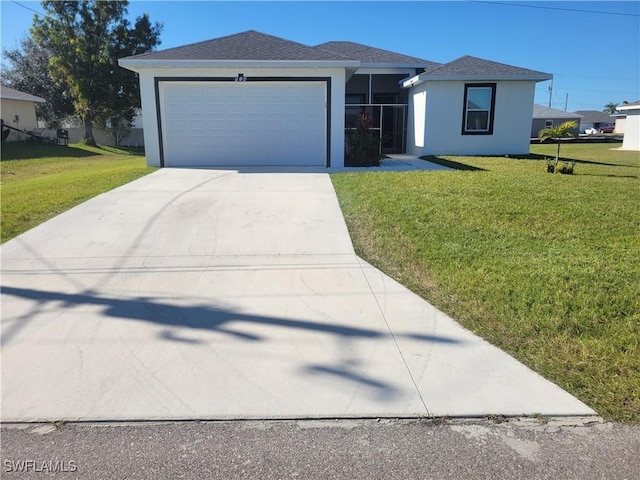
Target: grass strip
x=41 y=181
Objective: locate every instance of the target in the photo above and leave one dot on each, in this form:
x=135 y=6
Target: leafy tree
x=611 y=108
x=28 y=73
x=86 y=38
x=118 y=115
x=557 y=132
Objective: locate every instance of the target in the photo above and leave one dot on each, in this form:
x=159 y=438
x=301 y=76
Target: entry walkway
x=215 y=294
x=397 y=162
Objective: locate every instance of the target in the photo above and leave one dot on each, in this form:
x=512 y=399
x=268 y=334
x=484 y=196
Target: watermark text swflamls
x=48 y=466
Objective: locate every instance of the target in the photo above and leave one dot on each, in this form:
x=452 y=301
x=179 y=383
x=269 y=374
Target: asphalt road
x=526 y=448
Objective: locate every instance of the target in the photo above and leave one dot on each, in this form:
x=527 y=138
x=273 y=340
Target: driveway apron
x=220 y=294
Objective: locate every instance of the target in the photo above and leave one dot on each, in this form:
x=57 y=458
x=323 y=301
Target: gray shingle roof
x=594 y=116
x=540 y=111
x=249 y=45
x=257 y=46
x=468 y=65
x=13 y=94
x=366 y=54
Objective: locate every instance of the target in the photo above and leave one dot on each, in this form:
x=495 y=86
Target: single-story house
x=631 y=140
x=593 y=119
x=256 y=99
x=544 y=117
x=18 y=109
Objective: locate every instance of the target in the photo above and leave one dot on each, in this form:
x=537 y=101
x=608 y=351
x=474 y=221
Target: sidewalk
x=396 y=162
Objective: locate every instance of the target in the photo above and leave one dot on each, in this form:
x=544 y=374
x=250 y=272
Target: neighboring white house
x=255 y=99
x=18 y=110
x=75 y=129
x=631 y=139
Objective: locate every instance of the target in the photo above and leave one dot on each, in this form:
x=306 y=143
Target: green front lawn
x=41 y=181
x=545 y=266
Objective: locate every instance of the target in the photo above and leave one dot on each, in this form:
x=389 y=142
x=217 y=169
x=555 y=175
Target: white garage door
x=244 y=123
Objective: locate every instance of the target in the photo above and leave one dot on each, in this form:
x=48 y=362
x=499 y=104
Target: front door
x=393 y=122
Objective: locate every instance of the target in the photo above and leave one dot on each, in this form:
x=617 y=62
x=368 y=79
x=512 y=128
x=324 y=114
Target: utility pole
x=550 y=88
x=566 y=102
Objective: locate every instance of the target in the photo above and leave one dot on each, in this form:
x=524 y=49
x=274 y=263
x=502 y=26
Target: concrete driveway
x=218 y=294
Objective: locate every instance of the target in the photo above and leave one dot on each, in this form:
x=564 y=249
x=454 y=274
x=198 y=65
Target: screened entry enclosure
x=383 y=101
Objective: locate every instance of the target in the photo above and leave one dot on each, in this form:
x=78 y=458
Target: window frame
x=492 y=108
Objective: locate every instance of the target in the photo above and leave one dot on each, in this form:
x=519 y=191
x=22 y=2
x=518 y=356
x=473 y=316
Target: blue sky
x=592 y=48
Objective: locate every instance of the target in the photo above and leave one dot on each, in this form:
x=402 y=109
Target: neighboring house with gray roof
x=549 y=117
x=256 y=99
x=593 y=119
x=18 y=109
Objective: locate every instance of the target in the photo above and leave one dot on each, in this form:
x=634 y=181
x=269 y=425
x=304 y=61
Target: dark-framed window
x=548 y=123
x=479 y=107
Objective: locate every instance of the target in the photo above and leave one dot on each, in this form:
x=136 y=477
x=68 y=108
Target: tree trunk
x=88 y=130
x=558 y=154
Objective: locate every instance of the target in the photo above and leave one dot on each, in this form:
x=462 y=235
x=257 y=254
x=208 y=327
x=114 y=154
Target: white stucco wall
x=631 y=140
x=147 y=92
x=444 y=111
x=25 y=110
x=620 y=124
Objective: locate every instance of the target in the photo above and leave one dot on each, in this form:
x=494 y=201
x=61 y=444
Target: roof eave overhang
x=624 y=108
x=400 y=66
x=22 y=99
x=140 y=64
x=542 y=117
x=418 y=79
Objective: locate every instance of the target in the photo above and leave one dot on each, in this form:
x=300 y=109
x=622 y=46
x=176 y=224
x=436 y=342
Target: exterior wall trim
x=139 y=64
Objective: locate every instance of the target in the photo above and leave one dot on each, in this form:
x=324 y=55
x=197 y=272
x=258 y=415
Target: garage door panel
x=261 y=123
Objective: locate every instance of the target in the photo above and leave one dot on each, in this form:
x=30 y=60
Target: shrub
x=362 y=147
